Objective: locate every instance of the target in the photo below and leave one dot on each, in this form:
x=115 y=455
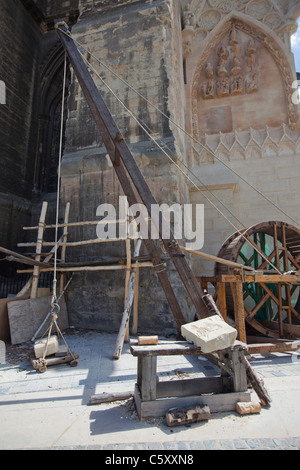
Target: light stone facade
x=239 y=110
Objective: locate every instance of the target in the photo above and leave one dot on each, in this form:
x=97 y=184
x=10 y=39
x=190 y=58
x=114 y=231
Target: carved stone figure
x=237 y=86
x=251 y=54
x=236 y=67
x=223 y=88
x=208 y=90
x=251 y=84
x=189 y=19
x=209 y=71
x=233 y=37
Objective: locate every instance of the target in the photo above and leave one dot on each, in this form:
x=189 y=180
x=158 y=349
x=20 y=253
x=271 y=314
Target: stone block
x=210 y=334
x=248 y=408
x=41 y=345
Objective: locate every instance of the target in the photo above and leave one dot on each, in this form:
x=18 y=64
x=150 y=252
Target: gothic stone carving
x=236 y=71
x=250 y=59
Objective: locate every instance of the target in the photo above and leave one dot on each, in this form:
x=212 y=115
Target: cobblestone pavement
x=226 y=444
x=24 y=393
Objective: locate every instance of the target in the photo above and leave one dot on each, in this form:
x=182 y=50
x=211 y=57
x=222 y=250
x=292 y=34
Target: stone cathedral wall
x=221 y=70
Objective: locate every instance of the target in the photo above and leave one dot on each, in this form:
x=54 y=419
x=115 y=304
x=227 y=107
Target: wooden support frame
x=154 y=398
x=131 y=274
x=255 y=345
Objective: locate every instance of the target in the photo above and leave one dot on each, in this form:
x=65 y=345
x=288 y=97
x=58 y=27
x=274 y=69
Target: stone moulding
x=277 y=141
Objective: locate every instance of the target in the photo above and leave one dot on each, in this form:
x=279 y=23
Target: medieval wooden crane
x=132 y=181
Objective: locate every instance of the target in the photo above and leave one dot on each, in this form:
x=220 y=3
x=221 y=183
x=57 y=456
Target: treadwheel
x=270 y=245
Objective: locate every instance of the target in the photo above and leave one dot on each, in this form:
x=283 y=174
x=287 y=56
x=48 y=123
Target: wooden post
x=39 y=247
x=239 y=371
x=127 y=311
x=64 y=248
x=147 y=378
x=286 y=268
x=279 y=293
x=128 y=266
x=135 y=319
x=239 y=310
x=222 y=305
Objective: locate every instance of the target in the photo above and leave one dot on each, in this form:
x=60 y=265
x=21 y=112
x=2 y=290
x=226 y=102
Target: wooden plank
x=265 y=278
x=190 y=386
x=21 y=259
x=129 y=302
x=148 y=378
x=164 y=348
x=239 y=378
x=222 y=304
x=216 y=259
x=217 y=403
x=111 y=267
x=39 y=247
x=26 y=316
x=265 y=348
x=257 y=384
x=115 y=144
x=239 y=310
x=128 y=267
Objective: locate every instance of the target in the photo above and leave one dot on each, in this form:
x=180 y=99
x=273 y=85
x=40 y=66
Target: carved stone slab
x=210 y=334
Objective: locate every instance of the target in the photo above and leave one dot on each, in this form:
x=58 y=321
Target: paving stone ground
x=23 y=392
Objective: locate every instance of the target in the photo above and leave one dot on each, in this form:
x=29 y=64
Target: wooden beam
x=128 y=306
x=39 y=247
x=264 y=278
x=216 y=259
x=239 y=310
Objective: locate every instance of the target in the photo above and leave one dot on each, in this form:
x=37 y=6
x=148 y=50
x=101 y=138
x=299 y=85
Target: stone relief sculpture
x=189 y=19
x=234 y=74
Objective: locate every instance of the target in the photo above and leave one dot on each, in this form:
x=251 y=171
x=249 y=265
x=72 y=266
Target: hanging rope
x=54 y=303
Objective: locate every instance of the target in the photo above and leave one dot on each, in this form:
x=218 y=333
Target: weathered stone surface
x=210 y=334
x=41 y=347
x=221 y=70
x=248 y=408
x=26 y=317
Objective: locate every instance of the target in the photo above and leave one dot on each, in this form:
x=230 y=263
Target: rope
x=54 y=298
x=179 y=127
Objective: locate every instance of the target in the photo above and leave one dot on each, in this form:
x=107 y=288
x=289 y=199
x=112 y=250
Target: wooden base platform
x=217 y=403
x=153 y=398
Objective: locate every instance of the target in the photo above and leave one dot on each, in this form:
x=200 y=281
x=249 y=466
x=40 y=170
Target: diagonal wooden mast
x=131 y=179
